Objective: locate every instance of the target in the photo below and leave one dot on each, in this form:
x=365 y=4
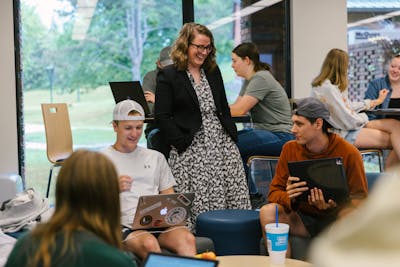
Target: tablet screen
x=327 y=174
x=167 y=260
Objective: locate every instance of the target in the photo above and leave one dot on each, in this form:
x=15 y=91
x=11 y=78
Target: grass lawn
x=90 y=119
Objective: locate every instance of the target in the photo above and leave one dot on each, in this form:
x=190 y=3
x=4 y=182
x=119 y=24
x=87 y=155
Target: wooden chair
x=58 y=135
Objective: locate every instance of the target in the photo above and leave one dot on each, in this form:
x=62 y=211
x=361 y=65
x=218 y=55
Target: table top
x=386 y=111
x=255 y=260
x=241 y=118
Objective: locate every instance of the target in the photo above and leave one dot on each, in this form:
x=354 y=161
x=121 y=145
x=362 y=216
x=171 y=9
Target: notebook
x=172 y=260
x=130 y=90
x=163 y=210
x=326 y=174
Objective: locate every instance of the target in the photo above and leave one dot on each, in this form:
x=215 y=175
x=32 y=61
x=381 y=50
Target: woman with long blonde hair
x=85 y=227
x=348 y=118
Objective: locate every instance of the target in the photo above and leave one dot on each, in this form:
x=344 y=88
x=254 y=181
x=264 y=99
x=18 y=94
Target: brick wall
x=368 y=61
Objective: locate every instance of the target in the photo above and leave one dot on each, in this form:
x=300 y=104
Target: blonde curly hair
x=179 y=51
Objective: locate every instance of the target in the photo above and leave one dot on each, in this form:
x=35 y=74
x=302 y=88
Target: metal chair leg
x=49 y=180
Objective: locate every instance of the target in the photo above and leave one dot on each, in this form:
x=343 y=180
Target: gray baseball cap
x=311 y=107
x=164 y=58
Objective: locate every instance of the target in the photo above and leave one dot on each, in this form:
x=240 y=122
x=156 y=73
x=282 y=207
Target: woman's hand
x=382 y=96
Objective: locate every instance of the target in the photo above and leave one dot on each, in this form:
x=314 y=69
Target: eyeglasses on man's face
x=202 y=48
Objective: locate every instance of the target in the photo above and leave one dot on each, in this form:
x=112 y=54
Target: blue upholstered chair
x=233 y=231
x=372 y=177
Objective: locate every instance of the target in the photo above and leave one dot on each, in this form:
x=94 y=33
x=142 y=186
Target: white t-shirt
x=150 y=173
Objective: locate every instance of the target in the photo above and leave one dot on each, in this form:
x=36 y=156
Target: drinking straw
x=276 y=215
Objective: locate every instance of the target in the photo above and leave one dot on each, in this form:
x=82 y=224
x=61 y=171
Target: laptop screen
x=130 y=90
x=167 y=260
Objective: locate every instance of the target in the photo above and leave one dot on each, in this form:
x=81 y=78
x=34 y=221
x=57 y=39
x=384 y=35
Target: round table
x=253 y=260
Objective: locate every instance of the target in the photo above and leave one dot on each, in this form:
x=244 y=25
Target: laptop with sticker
x=327 y=174
x=130 y=90
x=172 y=260
x=163 y=210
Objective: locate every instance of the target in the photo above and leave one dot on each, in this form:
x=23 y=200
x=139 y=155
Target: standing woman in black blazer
x=192 y=113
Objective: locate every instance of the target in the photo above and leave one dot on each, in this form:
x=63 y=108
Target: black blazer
x=177 y=110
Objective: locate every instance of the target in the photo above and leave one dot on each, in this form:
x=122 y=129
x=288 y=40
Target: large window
x=373 y=38
x=71 y=50
x=261 y=22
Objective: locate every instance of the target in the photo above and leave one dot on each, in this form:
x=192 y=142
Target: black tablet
x=327 y=174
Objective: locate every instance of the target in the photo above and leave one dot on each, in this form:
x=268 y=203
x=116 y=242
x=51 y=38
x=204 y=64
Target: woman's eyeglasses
x=202 y=48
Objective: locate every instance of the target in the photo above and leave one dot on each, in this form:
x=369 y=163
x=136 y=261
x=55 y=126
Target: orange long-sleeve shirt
x=337 y=147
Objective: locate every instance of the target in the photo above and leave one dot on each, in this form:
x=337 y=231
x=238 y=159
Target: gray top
x=149 y=84
x=272 y=112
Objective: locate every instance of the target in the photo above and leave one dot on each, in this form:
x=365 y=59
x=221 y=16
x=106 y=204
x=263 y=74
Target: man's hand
x=125 y=183
x=316 y=199
x=294 y=188
x=150 y=97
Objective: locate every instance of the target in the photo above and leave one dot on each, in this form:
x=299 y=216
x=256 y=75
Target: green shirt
x=89 y=250
x=272 y=112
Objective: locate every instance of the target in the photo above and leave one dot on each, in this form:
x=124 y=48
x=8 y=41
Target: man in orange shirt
x=313 y=141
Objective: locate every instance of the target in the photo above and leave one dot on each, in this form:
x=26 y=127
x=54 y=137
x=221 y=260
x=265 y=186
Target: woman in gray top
x=264 y=98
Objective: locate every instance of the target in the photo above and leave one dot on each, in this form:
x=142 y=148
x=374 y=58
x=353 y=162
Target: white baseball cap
x=123 y=108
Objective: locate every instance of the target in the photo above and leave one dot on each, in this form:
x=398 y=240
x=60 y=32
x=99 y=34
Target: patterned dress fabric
x=211 y=166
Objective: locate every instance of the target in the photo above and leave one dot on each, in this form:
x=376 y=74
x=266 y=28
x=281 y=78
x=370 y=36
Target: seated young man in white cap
x=313 y=141
x=150 y=174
